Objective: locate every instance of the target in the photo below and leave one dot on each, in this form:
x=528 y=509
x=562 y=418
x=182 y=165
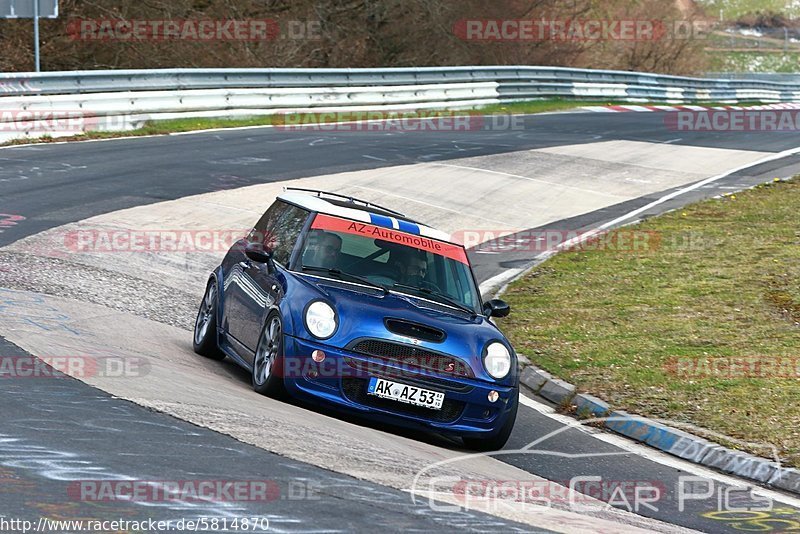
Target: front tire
x=497 y=442
x=204 y=340
x=267 y=376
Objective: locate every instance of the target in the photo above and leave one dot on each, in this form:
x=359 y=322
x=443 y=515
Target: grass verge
x=754 y=61
x=674 y=330
x=187 y=125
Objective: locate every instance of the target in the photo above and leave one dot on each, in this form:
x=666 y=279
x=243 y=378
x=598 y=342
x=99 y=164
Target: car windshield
x=398 y=261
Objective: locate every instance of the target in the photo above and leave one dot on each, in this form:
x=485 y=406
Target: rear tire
x=204 y=340
x=267 y=374
x=498 y=441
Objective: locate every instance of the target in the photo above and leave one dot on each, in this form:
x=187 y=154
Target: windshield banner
x=335 y=224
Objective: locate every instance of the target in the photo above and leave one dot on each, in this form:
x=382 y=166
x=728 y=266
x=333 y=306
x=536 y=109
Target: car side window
x=286 y=232
x=259 y=233
x=278 y=229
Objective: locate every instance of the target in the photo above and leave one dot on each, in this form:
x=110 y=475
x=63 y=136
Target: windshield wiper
x=441 y=297
x=343 y=274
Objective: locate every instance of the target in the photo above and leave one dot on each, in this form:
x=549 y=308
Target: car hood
x=362 y=312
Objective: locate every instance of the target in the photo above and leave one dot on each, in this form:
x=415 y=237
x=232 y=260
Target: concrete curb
x=662 y=437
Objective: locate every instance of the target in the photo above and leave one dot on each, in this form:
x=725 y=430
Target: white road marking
x=600 y=109
x=502 y=278
x=500 y=281
x=655 y=455
x=282 y=141
x=239 y=161
x=213 y=130
x=638 y=108
x=645 y=451
x=698 y=185
x=45 y=145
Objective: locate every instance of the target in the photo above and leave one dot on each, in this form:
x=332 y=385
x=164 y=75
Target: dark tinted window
x=278 y=229
x=388 y=263
x=260 y=229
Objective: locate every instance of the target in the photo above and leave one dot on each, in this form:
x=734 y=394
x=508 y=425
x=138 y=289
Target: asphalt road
x=56 y=184
x=60 y=433
x=52 y=185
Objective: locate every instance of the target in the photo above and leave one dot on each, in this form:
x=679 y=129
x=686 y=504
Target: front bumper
x=341 y=380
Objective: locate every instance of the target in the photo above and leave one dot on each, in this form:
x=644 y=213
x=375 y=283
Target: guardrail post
x=36 y=35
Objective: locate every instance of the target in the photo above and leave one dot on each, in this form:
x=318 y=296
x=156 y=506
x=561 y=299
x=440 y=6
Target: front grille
x=355 y=389
x=415 y=379
x=412 y=357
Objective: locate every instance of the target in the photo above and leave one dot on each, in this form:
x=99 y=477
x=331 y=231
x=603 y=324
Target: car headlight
x=497 y=360
x=320 y=320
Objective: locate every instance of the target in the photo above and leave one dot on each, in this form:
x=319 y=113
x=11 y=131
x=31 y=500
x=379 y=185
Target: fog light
x=493 y=396
x=318 y=356
x=313 y=374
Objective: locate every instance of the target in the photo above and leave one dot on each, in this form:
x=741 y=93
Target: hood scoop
x=414 y=330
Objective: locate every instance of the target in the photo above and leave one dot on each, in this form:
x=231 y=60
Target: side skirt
x=229 y=346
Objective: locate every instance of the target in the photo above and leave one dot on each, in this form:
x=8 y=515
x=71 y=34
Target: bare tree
x=347 y=33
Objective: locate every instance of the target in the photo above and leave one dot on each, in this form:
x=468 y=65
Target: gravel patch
x=63 y=278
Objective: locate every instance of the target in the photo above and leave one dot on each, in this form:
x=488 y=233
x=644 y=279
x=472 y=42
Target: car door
x=251 y=287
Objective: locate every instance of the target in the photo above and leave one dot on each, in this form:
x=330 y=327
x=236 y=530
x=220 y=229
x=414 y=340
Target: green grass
x=187 y=125
x=724 y=282
x=541 y=106
x=733 y=9
x=156 y=128
x=725 y=61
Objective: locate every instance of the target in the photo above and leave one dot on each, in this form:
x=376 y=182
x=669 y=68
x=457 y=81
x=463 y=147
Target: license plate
x=404 y=393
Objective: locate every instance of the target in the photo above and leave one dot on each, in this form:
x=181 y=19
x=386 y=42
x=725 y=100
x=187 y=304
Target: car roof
x=362 y=213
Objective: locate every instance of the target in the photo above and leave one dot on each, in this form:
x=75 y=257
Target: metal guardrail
x=779 y=77
x=138 y=95
x=153 y=80
x=79 y=82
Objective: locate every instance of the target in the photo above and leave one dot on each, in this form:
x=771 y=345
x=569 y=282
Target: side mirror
x=496 y=308
x=258 y=253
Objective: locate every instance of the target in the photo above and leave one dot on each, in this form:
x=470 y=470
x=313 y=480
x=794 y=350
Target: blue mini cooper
x=346 y=303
